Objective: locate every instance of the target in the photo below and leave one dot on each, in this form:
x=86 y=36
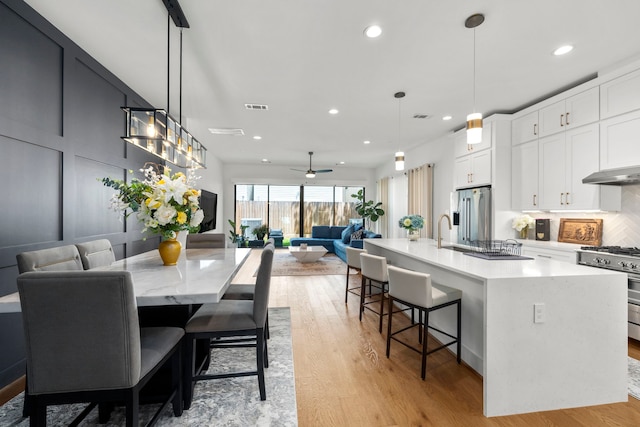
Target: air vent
x=256 y=107
x=226 y=131
x=420 y=116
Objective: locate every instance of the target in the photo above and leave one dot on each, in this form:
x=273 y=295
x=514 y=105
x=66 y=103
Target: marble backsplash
x=618 y=228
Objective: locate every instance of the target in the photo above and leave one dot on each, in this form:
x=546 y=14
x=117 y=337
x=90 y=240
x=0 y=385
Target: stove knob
x=632 y=266
x=623 y=264
x=606 y=262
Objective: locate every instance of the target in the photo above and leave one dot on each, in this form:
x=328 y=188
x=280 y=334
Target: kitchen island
x=574 y=354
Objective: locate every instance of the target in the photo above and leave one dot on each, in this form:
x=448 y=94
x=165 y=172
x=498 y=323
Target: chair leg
x=266 y=352
x=346 y=290
x=459 y=331
x=188 y=371
x=260 y=364
x=389 y=326
x=419 y=325
x=37 y=413
x=425 y=332
x=381 y=308
x=131 y=408
x=176 y=381
x=362 y=288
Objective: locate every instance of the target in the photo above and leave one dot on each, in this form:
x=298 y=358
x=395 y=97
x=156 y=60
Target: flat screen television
x=209 y=206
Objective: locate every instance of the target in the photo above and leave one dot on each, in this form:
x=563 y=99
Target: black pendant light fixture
x=155 y=130
x=474 y=120
x=399 y=157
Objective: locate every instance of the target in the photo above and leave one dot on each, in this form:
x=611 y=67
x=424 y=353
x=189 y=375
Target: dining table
x=200 y=276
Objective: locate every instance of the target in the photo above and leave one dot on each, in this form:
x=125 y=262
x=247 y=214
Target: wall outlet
x=539 y=313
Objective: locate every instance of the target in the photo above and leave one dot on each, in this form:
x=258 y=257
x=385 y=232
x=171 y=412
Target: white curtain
x=420 y=197
x=398 y=201
x=383 y=196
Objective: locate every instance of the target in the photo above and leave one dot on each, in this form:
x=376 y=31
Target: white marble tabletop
x=201 y=276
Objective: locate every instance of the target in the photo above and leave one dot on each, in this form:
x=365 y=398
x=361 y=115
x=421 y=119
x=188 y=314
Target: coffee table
x=310 y=254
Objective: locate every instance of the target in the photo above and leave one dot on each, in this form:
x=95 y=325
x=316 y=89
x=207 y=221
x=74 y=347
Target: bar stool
x=415 y=290
x=374 y=271
x=353 y=262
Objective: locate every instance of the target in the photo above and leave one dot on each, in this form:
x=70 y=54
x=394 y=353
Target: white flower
x=523 y=221
x=173 y=189
x=164 y=214
x=196 y=218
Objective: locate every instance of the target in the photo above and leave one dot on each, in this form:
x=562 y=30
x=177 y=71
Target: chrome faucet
x=440 y=228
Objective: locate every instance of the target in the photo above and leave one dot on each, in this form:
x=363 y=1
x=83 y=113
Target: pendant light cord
x=168 y=60
x=180 y=75
x=474 y=70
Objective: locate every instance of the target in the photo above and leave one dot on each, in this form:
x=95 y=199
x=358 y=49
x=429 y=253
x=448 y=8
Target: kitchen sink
x=458 y=249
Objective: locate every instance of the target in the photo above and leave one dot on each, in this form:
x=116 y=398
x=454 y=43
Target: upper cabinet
x=525 y=128
x=620 y=95
x=524 y=184
x=577 y=110
x=461 y=148
x=619 y=145
x=472 y=165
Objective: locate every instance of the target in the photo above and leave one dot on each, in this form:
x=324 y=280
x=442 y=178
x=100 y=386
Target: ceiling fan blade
x=297 y=170
x=324 y=170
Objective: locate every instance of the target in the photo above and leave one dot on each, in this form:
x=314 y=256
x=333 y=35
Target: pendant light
x=474 y=120
x=399 y=157
x=155 y=130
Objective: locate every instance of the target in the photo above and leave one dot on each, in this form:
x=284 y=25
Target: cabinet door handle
x=468 y=178
x=566 y=120
x=566 y=198
x=534 y=200
x=561 y=118
x=535 y=129
x=561 y=196
x=471 y=177
x=544 y=256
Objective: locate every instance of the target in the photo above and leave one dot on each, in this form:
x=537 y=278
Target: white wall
x=211 y=179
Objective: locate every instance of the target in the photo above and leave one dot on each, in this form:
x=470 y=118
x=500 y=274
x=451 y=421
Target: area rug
x=224 y=402
x=634 y=378
x=285 y=264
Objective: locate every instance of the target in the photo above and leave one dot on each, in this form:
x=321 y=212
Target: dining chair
x=61 y=258
x=415 y=289
x=353 y=262
x=84 y=344
x=205 y=240
x=231 y=324
x=374 y=272
x=96 y=253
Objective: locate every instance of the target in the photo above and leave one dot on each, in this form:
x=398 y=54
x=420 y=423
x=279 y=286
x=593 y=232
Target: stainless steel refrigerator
x=473 y=215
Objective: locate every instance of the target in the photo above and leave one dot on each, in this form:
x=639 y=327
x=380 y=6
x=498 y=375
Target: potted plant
x=235 y=237
x=260 y=231
x=369 y=210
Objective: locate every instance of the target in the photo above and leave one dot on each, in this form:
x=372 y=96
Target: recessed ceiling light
x=257 y=137
x=265 y=161
x=333 y=111
x=562 y=50
x=447 y=117
x=341 y=163
x=367 y=142
x=373 y=31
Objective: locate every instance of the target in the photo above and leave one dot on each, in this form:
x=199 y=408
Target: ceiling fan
x=310 y=173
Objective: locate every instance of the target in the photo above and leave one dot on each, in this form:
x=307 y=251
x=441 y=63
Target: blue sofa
x=335 y=238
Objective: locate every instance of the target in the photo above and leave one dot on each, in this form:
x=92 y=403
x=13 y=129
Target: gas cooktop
x=618 y=250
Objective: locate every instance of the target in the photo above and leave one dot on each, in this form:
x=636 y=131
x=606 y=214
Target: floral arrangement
x=523 y=222
x=164 y=203
x=411 y=222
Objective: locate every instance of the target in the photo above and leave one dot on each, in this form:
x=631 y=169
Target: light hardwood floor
x=343 y=377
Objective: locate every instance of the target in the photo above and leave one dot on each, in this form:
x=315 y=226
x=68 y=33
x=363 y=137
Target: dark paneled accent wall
x=60 y=128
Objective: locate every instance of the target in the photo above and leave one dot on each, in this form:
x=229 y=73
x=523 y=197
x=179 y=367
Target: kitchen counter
x=577 y=355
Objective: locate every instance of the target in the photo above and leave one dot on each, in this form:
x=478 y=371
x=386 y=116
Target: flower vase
x=524 y=232
x=413 y=235
x=170 y=251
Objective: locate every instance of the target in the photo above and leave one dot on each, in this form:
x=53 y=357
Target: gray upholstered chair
x=96 y=253
x=232 y=323
x=374 y=272
x=415 y=289
x=353 y=262
x=205 y=240
x=83 y=343
x=61 y=258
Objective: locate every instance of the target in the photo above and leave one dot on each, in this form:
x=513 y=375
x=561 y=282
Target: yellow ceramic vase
x=170 y=251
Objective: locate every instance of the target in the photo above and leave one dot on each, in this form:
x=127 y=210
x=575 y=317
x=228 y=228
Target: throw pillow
x=357 y=235
x=346 y=234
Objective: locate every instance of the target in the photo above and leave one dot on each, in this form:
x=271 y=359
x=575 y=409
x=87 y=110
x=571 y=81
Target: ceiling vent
x=226 y=131
x=420 y=116
x=256 y=107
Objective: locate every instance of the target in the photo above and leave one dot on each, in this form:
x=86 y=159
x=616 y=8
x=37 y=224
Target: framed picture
x=582 y=231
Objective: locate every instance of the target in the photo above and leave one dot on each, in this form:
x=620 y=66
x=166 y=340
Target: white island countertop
x=574 y=354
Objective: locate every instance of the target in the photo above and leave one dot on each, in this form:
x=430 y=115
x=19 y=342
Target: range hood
x=621 y=176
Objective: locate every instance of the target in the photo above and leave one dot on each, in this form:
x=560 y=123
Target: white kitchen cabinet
x=547 y=253
x=619 y=145
x=461 y=148
x=620 y=95
x=570 y=113
x=524 y=184
x=564 y=159
x=473 y=170
x=524 y=128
